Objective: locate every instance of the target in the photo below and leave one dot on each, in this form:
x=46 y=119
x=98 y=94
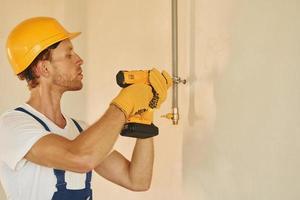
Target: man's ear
x=42 y=68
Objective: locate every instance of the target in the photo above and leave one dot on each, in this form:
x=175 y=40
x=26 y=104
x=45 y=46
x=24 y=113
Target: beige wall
x=239 y=129
x=243 y=119
x=207 y=50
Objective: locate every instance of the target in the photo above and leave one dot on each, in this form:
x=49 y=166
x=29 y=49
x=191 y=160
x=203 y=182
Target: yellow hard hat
x=31 y=37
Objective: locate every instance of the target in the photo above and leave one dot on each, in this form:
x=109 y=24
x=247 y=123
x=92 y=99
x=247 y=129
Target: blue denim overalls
x=62 y=192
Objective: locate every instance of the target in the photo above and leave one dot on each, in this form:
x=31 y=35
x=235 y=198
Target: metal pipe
x=175 y=112
x=174 y=116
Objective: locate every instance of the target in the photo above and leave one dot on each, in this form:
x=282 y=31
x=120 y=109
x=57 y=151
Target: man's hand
x=160 y=82
x=133 y=99
x=144 y=117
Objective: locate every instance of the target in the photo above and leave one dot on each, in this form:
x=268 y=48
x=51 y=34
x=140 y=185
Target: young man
x=42 y=153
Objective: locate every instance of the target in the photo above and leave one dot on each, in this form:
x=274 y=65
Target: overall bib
x=62 y=192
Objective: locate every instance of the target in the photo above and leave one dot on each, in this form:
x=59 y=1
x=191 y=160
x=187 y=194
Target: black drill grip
x=137 y=130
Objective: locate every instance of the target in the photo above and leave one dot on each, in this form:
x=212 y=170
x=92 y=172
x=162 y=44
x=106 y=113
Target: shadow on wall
x=209 y=54
x=2 y=194
x=209 y=41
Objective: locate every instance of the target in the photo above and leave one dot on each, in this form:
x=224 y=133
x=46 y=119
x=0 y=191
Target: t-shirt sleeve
x=18 y=133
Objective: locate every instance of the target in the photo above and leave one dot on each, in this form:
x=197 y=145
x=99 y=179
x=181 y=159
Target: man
x=43 y=155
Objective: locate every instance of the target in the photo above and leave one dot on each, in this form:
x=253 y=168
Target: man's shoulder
x=10 y=113
x=13 y=116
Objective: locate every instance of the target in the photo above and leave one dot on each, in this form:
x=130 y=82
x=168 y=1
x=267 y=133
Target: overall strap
x=77 y=125
x=61 y=183
x=35 y=117
x=60 y=174
x=88 y=174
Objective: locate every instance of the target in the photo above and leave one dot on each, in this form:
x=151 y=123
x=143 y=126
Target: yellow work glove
x=160 y=82
x=148 y=115
x=142 y=118
x=133 y=99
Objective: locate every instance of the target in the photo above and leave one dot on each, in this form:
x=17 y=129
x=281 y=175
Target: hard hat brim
x=73 y=35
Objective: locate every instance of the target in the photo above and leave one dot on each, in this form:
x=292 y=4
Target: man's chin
x=76 y=88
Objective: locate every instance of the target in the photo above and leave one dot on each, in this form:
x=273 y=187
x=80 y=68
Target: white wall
x=247 y=147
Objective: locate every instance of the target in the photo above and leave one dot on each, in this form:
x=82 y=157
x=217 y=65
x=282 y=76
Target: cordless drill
x=137 y=126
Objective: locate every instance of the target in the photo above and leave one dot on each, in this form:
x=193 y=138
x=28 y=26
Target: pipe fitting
x=175 y=117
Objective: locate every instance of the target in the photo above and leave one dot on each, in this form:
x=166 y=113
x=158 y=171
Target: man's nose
x=79 y=60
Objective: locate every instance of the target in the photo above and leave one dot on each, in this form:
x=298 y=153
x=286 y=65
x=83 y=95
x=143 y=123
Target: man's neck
x=47 y=102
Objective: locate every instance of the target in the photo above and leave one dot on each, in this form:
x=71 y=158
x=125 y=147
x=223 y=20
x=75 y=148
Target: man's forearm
x=141 y=165
x=97 y=141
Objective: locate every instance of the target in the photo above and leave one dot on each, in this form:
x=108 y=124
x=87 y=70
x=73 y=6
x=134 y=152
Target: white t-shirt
x=22 y=179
